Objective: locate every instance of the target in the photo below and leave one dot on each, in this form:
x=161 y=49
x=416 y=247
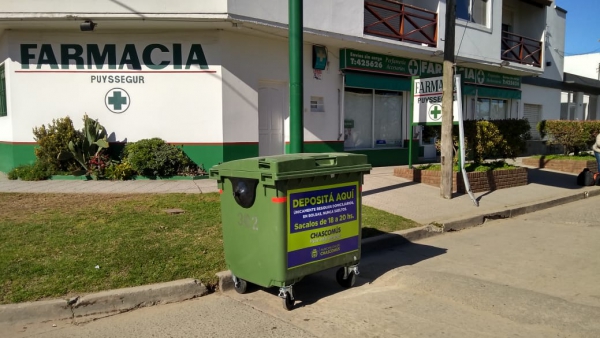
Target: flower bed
x=574 y=166
x=480 y=181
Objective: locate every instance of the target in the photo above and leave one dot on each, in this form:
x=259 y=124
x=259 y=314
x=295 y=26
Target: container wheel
x=241 y=286
x=288 y=302
x=348 y=282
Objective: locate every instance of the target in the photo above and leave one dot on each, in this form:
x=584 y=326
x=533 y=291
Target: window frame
x=3 y=103
x=507 y=103
x=470 y=9
x=373 y=143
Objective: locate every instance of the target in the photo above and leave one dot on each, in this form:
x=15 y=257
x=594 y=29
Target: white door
x=533 y=113
x=271 y=109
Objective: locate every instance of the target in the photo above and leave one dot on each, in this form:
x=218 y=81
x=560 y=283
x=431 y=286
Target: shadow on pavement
x=554 y=179
x=373 y=265
x=388 y=188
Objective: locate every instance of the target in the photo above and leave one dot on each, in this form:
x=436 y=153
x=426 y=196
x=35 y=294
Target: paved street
x=532 y=276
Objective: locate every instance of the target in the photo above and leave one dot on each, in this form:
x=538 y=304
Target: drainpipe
x=296 y=80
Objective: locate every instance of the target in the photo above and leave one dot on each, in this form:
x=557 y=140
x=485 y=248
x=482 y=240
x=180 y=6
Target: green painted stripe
x=388 y=157
x=320 y=147
x=14 y=154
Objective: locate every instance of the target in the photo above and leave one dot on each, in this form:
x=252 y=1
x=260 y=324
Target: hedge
x=492 y=139
x=572 y=135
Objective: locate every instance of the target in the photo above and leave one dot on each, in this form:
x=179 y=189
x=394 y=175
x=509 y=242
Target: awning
x=377 y=81
x=492 y=92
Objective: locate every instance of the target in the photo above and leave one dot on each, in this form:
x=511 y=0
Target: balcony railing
x=516 y=48
x=395 y=20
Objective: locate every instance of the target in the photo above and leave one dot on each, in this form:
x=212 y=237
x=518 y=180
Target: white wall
x=336 y=16
x=554 y=46
x=135 y=7
x=248 y=60
x=322 y=125
x=547 y=97
x=583 y=65
x=177 y=107
x=478 y=42
x=6 y=132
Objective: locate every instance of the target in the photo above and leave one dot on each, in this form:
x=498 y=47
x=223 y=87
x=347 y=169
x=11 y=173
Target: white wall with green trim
x=250 y=60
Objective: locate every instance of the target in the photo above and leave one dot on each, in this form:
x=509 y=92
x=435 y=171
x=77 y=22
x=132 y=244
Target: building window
x=372 y=118
x=491 y=109
x=3 y=111
x=472 y=11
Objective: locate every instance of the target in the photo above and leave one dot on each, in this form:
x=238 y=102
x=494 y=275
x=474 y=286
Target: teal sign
x=380 y=63
x=482 y=77
x=93 y=56
x=319 y=57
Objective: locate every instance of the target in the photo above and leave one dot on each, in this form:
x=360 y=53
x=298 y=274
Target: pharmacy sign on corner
x=427 y=101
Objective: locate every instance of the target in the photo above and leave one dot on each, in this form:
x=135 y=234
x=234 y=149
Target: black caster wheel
x=241 y=286
x=348 y=282
x=288 y=302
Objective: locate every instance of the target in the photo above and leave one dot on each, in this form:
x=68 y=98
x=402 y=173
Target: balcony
x=519 y=49
x=401 y=22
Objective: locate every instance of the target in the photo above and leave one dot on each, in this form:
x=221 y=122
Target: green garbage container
x=288 y=216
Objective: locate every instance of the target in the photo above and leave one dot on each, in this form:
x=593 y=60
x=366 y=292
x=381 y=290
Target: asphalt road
x=533 y=276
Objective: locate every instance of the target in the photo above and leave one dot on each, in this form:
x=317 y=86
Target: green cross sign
x=117 y=101
x=321 y=55
x=435 y=111
x=413 y=67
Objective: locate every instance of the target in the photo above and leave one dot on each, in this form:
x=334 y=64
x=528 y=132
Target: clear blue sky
x=583 y=26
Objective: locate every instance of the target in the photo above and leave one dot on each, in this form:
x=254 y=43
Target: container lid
x=289 y=166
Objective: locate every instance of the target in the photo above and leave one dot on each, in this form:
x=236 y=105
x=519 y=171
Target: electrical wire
x=463 y=36
x=575 y=54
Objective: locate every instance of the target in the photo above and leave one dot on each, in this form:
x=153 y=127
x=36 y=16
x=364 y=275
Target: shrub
x=486 y=142
x=119 y=171
x=155 y=158
x=572 y=135
x=88 y=150
x=541 y=128
x=98 y=164
x=515 y=132
x=31 y=172
x=54 y=139
x=487 y=139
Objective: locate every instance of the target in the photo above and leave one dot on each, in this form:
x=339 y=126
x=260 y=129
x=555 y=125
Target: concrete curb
x=469 y=222
x=41 y=311
x=102 y=304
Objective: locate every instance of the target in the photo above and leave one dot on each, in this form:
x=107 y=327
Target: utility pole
x=295 y=17
x=447 y=101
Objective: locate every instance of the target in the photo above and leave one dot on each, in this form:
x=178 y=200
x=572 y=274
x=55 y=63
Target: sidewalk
x=419 y=202
x=423 y=203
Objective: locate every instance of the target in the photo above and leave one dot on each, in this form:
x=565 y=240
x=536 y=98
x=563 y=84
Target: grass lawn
x=59 y=245
x=580 y=157
x=471 y=167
